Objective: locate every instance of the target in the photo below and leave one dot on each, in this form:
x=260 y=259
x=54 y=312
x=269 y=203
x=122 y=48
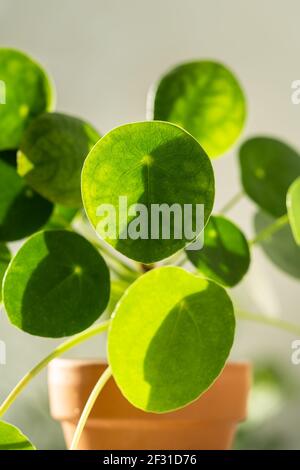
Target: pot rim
x=71 y=362
x=70 y=382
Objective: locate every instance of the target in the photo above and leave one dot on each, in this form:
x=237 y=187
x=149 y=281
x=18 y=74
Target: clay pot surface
x=207 y=423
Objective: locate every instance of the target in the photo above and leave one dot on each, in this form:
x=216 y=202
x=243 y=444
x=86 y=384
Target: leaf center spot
x=260 y=173
x=212 y=233
x=28 y=193
x=23 y=110
x=147 y=160
x=77 y=270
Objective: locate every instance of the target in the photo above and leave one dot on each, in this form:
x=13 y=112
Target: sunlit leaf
x=27 y=92
x=5 y=257
x=56 y=285
x=169 y=338
x=52 y=153
x=146 y=163
x=11 y=438
x=204 y=98
x=293 y=207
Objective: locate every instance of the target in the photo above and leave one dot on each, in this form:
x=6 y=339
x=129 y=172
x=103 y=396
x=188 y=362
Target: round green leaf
x=225 y=256
x=293 y=206
x=5 y=257
x=22 y=210
x=147 y=163
x=280 y=248
x=169 y=338
x=204 y=98
x=56 y=285
x=52 y=153
x=27 y=92
x=268 y=168
x=11 y=438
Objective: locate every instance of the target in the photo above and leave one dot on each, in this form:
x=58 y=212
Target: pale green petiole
x=89 y=406
x=232 y=202
x=70 y=343
x=271 y=321
x=270 y=230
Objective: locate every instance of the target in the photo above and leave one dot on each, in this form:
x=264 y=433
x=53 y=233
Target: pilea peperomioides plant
x=174 y=326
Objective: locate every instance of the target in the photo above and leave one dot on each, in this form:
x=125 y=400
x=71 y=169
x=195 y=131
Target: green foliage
x=56 y=285
x=280 y=248
x=204 y=98
x=61 y=218
x=169 y=338
x=22 y=210
x=171 y=331
x=268 y=167
x=52 y=153
x=5 y=257
x=150 y=163
x=293 y=206
x=225 y=256
x=28 y=93
x=11 y=438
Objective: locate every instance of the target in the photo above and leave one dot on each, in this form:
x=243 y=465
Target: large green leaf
x=52 y=153
x=293 y=206
x=11 y=438
x=280 y=248
x=28 y=93
x=22 y=210
x=56 y=285
x=204 y=98
x=148 y=163
x=268 y=167
x=169 y=338
x=225 y=256
x=5 y=257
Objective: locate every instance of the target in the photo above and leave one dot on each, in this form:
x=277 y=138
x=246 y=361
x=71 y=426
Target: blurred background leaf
x=28 y=93
x=268 y=167
x=22 y=210
x=281 y=248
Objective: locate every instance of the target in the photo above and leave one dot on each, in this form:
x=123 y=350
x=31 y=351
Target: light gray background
x=103 y=56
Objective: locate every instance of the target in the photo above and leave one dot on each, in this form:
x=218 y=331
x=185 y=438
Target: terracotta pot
x=208 y=423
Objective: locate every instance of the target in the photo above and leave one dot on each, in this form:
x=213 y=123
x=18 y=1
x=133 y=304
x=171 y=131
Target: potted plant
x=147 y=190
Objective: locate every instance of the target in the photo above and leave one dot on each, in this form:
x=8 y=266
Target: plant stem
x=70 y=343
x=271 y=321
x=122 y=270
x=102 y=247
x=268 y=231
x=89 y=405
x=119 y=268
x=181 y=260
x=147 y=267
x=232 y=202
